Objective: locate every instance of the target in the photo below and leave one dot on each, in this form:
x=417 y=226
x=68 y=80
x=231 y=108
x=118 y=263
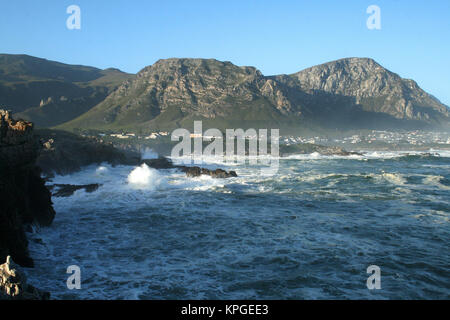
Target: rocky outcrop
x=218 y=173
x=65 y=152
x=66 y=190
x=24 y=198
x=164 y=163
x=159 y=163
x=14 y=286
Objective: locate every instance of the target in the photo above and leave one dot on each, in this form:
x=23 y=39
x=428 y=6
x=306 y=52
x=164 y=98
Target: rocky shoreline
x=24 y=198
x=27 y=154
x=64 y=153
x=14 y=285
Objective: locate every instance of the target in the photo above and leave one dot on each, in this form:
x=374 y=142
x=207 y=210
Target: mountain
x=351 y=93
x=50 y=93
x=348 y=93
x=359 y=90
x=173 y=92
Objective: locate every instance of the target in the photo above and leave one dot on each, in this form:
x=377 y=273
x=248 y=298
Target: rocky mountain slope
x=348 y=93
x=173 y=92
x=356 y=85
x=49 y=93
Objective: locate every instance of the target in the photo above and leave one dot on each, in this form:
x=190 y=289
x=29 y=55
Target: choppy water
x=310 y=232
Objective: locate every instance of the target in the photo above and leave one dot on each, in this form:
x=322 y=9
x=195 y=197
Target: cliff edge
x=24 y=198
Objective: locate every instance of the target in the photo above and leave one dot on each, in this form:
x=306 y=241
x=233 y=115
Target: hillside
x=351 y=93
x=345 y=94
x=172 y=93
x=359 y=90
x=50 y=93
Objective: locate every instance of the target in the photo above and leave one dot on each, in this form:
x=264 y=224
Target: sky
x=274 y=36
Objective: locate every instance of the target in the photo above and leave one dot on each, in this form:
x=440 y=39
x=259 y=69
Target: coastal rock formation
x=218 y=173
x=65 y=152
x=159 y=163
x=164 y=163
x=14 y=286
x=66 y=190
x=24 y=198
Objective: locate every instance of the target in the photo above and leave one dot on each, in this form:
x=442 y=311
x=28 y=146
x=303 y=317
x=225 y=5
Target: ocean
x=308 y=232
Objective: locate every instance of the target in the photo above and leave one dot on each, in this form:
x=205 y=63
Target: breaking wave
x=144 y=177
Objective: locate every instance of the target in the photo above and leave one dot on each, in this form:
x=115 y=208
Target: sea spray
x=144 y=177
x=101 y=171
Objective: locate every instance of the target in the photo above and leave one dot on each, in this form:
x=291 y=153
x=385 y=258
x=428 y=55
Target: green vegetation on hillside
x=49 y=93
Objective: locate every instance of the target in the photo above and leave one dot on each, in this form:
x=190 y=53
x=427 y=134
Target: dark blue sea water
x=308 y=232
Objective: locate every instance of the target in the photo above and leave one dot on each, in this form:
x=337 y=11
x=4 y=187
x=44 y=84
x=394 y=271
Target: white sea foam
x=365 y=155
x=435 y=181
x=394 y=178
x=101 y=170
x=144 y=177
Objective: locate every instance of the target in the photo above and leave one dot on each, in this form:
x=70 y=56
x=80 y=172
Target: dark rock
x=164 y=163
x=193 y=171
x=66 y=190
x=197 y=171
x=65 y=153
x=24 y=198
x=160 y=163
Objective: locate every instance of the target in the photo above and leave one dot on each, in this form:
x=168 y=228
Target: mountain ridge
x=347 y=93
x=49 y=92
x=373 y=81
x=341 y=93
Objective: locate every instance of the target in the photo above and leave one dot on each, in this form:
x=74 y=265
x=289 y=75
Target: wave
x=435 y=181
x=144 y=177
x=213 y=162
x=368 y=155
x=394 y=178
x=102 y=170
x=121 y=184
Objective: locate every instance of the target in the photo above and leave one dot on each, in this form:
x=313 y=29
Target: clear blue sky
x=274 y=36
